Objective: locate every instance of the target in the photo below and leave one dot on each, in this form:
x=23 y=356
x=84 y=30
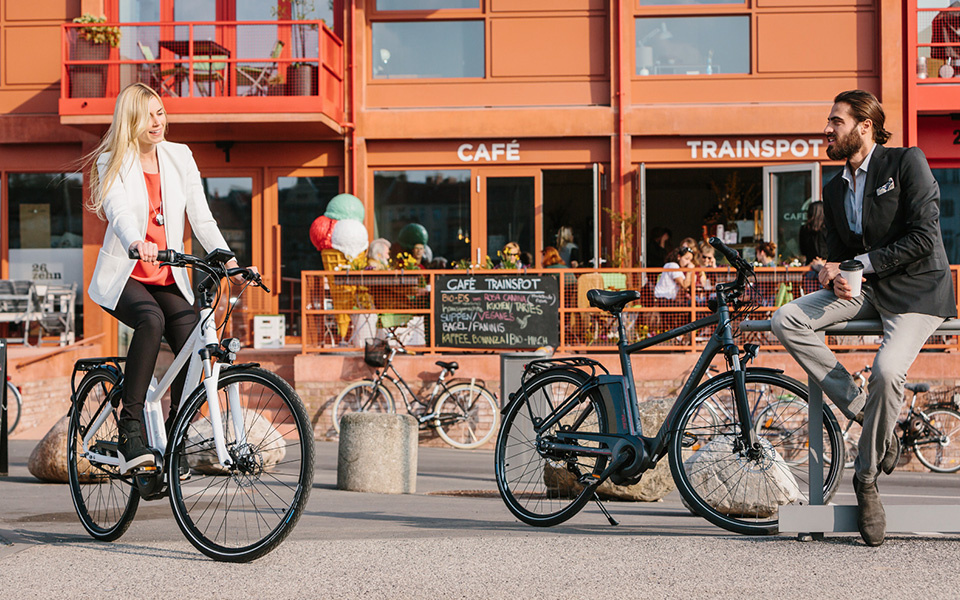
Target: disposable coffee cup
x=852 y=271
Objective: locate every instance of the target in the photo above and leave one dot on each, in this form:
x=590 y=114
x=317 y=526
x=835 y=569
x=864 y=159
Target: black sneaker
x=133 y=453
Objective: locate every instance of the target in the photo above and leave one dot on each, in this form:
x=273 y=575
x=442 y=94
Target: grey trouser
x=795 y=325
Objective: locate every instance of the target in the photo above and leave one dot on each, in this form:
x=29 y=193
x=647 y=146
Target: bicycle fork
x=748 y=434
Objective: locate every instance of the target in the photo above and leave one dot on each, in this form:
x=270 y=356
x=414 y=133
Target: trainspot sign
x=755 y=148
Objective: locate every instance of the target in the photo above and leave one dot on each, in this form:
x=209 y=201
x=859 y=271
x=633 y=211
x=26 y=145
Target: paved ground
x=430 y=545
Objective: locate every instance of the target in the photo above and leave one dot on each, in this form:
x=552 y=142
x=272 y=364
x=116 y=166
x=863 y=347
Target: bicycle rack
x=4 y=455
x=815 y=519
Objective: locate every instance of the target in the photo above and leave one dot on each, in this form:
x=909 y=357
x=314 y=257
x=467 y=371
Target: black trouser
x=153 y=312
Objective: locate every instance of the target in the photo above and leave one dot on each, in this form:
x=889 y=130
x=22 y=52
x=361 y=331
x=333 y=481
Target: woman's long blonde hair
x=131 y=117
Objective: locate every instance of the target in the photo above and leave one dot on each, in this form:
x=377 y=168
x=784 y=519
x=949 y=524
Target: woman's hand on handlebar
x=239 y=278
x=146 y=250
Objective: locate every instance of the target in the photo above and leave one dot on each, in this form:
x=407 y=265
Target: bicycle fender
x=249 y=365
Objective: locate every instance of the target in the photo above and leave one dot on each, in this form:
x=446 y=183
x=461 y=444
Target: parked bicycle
x=572 y=425
x=463 y=413
x=933 y=432
x=238 y=467
x=14 y=406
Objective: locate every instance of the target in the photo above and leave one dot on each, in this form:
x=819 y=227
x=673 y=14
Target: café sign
x=755 y=148
x=489 y=152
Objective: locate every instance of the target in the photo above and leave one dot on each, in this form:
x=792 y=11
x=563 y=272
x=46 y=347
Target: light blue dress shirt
x=853 y=202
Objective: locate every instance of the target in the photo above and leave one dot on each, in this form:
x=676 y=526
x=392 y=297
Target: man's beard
x=845 y=146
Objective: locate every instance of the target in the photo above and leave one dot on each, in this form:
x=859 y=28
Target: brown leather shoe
x=871 y=520
x=891 y=459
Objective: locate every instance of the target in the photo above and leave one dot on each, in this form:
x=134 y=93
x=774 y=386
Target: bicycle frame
x=439 y=387
x=619 y=395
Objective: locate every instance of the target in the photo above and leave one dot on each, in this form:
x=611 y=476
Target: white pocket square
x=883 y=189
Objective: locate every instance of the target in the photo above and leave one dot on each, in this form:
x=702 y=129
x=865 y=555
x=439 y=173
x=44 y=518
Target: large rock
x=655 y=484
x=737 y=487
x=258 y=428
x=48 y=461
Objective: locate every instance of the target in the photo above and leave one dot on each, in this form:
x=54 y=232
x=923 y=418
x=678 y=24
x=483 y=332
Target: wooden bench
x=815 y=518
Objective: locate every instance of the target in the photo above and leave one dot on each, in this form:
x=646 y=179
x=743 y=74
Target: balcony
x=265 y=74
x=933 y=57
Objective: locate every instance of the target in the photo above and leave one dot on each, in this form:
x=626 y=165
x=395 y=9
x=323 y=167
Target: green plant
x=298 y=10
x=735 y=201
x=98 y=34
x=626 y=227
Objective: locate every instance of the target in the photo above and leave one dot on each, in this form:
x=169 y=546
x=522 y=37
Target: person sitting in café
x=378 y=254
x=673 y=286
x=552 y=259
x=510 y=256
x=767 y=254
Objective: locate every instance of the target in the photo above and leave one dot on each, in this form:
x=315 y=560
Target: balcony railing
x=938 y=45
x=221 y=67
x=341 y=308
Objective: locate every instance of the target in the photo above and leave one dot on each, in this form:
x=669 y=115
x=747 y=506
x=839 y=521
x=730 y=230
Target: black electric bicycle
x=572 y=425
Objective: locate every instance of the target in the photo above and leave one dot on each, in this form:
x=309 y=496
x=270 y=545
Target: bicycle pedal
x=145 y=470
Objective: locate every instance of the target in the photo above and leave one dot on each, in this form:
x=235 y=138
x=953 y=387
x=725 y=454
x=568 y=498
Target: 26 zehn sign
x=497 y=311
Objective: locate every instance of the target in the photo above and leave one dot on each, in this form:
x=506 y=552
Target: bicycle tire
x=734 y=491
x=362 y=396
x=466 y=416
x=543 y=491
x=241 y=513
x=105 y=503
x=940 y=455
x=13 y=409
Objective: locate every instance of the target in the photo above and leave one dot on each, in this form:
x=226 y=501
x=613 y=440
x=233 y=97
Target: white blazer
x=127 y=206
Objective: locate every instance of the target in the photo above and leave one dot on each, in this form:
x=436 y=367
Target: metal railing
x=258 y=61
x=938 y=45
x=340 y=309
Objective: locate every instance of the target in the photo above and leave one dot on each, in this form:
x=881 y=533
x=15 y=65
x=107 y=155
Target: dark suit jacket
x=901 y=233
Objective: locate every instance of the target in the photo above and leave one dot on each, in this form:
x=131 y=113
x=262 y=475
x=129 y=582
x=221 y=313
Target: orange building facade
x=486 y=121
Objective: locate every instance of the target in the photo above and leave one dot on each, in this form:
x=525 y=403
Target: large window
x=949 y=180
x=692 y=45
x=45 y=235
x=438 y=200
x=428 y=49
x=425 y=4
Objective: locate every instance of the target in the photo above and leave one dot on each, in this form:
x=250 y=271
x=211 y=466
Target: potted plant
x=300 y=75
x=91 y=42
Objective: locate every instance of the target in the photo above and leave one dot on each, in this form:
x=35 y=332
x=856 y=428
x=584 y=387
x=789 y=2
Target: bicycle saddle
x=918 y=388
x=612 y=301
x=450 y=366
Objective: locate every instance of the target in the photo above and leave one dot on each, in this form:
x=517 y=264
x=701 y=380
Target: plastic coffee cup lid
x=851 y=265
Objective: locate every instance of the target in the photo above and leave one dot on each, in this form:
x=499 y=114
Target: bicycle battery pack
x=620 y=419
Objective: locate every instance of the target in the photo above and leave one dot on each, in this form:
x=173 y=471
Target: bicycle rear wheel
x=939 y=450
x=742 y=489
x=105 y=503
x=241 y=512
x=14 y=407
x=362 y=396
x=541 y=488
x=466 y=416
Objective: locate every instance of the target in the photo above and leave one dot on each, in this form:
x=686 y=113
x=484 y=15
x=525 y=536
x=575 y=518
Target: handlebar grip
x=732 y=256
x=162 y=256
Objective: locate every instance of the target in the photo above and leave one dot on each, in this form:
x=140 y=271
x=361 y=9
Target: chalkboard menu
x=497 y=311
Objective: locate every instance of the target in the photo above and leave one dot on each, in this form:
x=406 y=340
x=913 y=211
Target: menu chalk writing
x=497 y=311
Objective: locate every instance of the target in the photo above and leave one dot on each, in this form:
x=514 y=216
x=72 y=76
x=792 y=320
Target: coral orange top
x=145 y=272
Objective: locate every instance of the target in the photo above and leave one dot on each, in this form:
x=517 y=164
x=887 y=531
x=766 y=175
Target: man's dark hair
x=864 y=105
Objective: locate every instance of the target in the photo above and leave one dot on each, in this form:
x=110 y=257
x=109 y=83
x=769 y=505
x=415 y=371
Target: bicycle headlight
x=231 y=345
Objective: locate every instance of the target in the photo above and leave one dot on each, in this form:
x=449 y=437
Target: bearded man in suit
x=883 y=209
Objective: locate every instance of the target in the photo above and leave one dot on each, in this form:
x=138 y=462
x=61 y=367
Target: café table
x=204 y=71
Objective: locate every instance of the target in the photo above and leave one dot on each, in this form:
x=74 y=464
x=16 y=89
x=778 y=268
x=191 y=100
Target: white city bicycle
x=239 y=465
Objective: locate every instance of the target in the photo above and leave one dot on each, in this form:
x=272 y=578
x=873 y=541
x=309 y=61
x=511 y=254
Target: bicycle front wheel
x=741 y=489
x=105 y=503
x=14 y=406
x=466 y=416
x=239 y=512
x=938 y=447
x=546 y=488
x=362 y=396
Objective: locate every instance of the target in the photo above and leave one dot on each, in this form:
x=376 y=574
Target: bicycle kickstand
x=603 y=509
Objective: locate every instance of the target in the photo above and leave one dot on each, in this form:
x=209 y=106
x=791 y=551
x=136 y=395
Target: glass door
x=787 y=191
x=512 y=201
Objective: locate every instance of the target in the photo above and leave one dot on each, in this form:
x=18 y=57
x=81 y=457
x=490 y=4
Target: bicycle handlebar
x=744 y=269
x=176 y=259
